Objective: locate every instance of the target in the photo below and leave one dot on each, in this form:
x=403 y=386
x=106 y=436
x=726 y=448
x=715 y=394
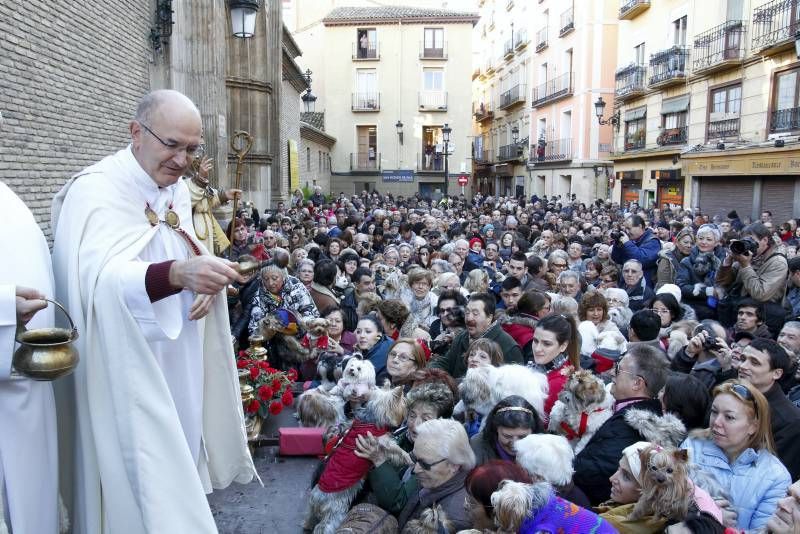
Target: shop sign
x=745 y=166
x=398 y=176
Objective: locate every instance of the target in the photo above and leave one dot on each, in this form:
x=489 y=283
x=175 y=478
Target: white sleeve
x=8 y=327
x=160 y=320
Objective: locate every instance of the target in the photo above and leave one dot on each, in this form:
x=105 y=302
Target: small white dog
x=358 y=378
x=485 y=386
x=546 y=457
x=582 y=408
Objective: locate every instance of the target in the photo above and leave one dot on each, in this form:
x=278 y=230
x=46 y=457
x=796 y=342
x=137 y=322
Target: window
x=786 y=112
x=366 y=89
x=367 y=43
x=319 y=160
x=433 y=45
x=726 y=101
x=308 y=159
x=638 y=54
x=433 y=79
x=679 y=31
x=635 y=128
x=367 y=156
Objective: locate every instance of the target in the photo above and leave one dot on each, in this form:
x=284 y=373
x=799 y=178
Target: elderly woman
x=669 y=259
x=557 y=262
x=449 y=281
x=477 y=281
x=737 y=451
x=279 y=290
x=392 y=485
x=442 y=460
x=419 y=298
x=297 y=255
x=510 y=420
x=696 y=272
x=305 y=272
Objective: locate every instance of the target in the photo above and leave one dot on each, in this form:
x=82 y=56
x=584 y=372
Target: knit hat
x=631 y=453
x=475 y=240
x=486 y=228
x=672 y=289
x=733 y=215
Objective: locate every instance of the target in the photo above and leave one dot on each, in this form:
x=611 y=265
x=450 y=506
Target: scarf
x=553 y=364
x=421 y=308
x=267 y=301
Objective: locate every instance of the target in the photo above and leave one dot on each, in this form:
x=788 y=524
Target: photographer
x=753 y=268
x=450 y=322
x=707 y=356
x=637 y=243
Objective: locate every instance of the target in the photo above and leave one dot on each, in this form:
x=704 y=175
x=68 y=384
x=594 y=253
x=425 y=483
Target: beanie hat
x=475 y=240
x=672 y=289
x=631 y=453
x=733 y=215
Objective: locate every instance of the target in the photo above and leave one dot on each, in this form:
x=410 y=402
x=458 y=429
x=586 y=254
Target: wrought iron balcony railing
x=513 y=96
x=541 y=39
x=556 y=150
x=567 y=22
x=775 y=24
x=784 y=120
x=722 y=129
x=668 y=66
x=366 y=102
x=433 y=100
x=432 y=52
x=631 y=8
x=365 y=161
x=482 y=111
x=672 y=136
x=509 y=152
x=551 y=90
x=521 y=39
x=365 y=53
x=630 y=81
x=719 y=46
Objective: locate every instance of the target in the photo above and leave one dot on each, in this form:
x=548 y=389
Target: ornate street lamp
x=243 y=17
x=599 y=110
x=399 y=128
x=446 y=131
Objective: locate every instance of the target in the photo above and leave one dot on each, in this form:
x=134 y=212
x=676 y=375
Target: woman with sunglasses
x=737 y=450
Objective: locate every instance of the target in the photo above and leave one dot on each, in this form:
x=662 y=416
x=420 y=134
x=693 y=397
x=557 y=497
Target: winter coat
x=617 y=516
x=698 y=268
x=639 y=296
x=645 y=249
x=323 y=297
x=520 y=327
x=349 y=310
x=454 y=362
x=377 y=356
x=785 y=419
x=595 y=464
x=450 y=496
x=755 y=481
x=667 y=270
x=562 y=516
x=392 y=485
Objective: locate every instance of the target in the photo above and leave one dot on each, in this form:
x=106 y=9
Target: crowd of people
x=692 y=324
x=553 y=366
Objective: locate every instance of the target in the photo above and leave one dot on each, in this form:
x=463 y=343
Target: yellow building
x=707 y=95
x=389 y=79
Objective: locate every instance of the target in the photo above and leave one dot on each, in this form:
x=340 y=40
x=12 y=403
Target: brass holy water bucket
x=46 y=353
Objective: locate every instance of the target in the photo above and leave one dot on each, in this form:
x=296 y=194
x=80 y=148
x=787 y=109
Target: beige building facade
x=389 y=79
x=709 y=106
x=569 y=148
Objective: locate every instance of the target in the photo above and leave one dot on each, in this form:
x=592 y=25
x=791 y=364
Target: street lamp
x=308 y=97
x=599 y=110
x=399 y=127
x=446 y=130
x=243 y=17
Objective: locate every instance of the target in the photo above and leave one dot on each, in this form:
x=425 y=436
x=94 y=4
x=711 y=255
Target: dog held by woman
x=343 y=472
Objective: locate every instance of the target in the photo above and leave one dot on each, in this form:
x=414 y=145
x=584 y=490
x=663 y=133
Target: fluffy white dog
x=485 y=386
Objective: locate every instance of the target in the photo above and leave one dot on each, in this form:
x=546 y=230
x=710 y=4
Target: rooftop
x=392 y=14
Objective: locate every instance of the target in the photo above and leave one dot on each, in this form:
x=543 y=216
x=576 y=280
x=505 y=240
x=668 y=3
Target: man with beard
x=480 y=320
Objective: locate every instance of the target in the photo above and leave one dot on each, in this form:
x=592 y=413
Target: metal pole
x=446 y=170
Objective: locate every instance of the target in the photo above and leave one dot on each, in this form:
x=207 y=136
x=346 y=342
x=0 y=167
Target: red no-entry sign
x=463 y=179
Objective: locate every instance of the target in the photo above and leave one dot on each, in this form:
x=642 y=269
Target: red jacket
x=344 y=469
x=556 y=379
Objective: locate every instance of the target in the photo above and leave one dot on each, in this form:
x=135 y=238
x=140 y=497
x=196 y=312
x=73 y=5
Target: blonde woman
x=477 y=281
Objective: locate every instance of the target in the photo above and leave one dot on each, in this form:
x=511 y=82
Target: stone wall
x=290 y=129
x=71 y=73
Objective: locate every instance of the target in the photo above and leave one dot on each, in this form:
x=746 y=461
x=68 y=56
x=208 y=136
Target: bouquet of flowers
x=273 y=388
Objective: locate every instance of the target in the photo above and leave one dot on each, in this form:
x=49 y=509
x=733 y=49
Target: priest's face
x=165 y=143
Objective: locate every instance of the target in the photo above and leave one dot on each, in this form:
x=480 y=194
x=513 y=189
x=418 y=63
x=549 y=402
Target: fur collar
x=666 y=430
x=523 y=320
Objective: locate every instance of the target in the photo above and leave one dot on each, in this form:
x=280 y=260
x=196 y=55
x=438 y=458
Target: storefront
x=648 y=179
x=631 y=185
x=669 y=187
x=749 y=181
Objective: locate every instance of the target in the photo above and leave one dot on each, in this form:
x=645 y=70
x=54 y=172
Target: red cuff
x=156 y=281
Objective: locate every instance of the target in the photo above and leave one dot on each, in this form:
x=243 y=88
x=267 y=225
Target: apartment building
x=708 y=105
x=501 y=96
x=569 y=149
x=391 y=79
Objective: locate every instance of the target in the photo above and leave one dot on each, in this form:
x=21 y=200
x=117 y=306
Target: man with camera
x=753 y=268
x=637 y=243
x=707 y=356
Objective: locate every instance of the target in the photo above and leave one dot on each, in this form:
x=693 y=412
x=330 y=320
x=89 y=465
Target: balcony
x=668 y=67
x=433 y=100
x=489 y=67
x=366 y=102
x=520 y=39
x=672 y=136
x=365 y=161
x=512 y=97
x=541 y=39
x=557 y=150
x=483 y=157
x=635 y=140
x=630 y=81
x=632 y=8
x=723 y=129
x=432 y=52
x=508 y=50
x=432 y=162
x=775 y=25
x=482 y=111
x=719 y=48
x=511 y=152
x=552 y=90
x=567 y=22
x=784 y=120
x=366 y=53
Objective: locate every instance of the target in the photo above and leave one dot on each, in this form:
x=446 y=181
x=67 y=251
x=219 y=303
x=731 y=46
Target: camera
x=744 y=246
x=711 y=342
x=615 y=235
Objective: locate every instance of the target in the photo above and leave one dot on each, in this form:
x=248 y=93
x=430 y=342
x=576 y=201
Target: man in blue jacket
x=638 y=243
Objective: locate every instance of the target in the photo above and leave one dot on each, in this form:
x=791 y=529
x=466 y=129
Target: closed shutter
x=718 y=196
x=778 y=197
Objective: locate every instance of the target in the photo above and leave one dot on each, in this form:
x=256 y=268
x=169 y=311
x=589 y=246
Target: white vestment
x=28 y=448
x=157 y=411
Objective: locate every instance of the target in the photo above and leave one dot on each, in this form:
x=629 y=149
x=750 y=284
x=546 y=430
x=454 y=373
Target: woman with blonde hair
x=737 y=450
x=477 y=281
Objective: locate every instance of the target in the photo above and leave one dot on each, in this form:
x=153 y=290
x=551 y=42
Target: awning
x=676 y=105
x=635 y=114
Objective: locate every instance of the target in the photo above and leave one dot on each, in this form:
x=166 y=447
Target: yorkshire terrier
x=432 y=520
x=316 y=338
x=318 y=408
x=582 y=408
x=343 y=472
x=666 y=489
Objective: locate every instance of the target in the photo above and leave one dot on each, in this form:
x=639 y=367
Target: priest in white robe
x=28 y=447
x=157 y=417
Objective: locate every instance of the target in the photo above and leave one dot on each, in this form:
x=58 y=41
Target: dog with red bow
x=582 y=408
